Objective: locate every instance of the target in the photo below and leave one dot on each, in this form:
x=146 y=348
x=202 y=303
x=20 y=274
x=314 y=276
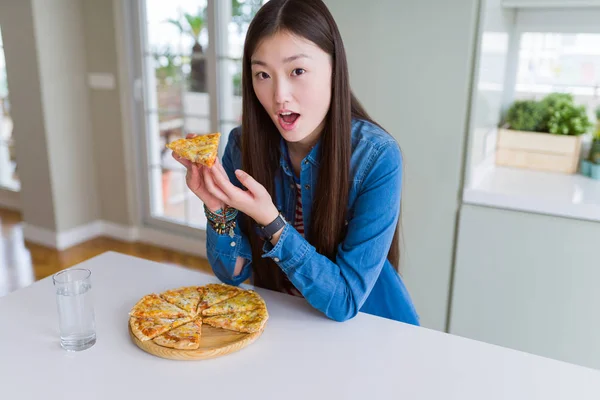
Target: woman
x=307 y=198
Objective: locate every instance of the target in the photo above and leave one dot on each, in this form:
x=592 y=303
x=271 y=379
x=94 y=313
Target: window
x=8 y=165
x=192 y=51
x=560 y=62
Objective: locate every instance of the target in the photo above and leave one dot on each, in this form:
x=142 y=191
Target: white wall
x=63 y=77
x=411 y=66
x=492 y=61
x=105 y=112
x=529 y=282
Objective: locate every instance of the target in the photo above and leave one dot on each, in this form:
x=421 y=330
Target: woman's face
x=291 y=77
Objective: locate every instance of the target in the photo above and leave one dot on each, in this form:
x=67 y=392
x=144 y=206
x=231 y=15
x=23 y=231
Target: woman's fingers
x=183 y=161
x=194 y=175
x=220 y=167
x=212 y=188
x=223 y=182
x=249 y=182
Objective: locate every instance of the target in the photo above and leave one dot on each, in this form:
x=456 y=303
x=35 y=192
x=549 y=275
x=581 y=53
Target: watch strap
x=267 y=231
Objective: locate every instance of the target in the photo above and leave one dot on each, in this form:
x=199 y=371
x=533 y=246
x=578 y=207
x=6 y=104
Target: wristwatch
x=267 y=232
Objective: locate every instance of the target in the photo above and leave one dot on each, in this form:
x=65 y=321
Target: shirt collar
x=312 y=157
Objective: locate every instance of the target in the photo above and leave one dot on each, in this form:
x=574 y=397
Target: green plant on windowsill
x=525 y=115
x=556 y=113
x=566 y=118
x=595 y=150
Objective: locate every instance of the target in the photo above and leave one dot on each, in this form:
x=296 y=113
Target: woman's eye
x=298 y=71
x=262 y=75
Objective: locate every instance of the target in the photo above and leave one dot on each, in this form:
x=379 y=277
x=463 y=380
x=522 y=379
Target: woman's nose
x=282 y=92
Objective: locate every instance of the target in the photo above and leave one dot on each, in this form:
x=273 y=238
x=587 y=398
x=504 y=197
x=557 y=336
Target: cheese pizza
x=149 y=328
x=247 y=321
x=186 y=298
x=152 y=306
x=201 y=149
x=214 y=293
x=175 y=318
x=248 y=300
x=185 y=337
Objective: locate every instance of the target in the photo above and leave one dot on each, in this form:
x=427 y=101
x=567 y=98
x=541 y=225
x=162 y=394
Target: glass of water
x=75 y=309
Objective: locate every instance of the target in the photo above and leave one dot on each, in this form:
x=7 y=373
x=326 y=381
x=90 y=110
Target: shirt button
x=305 y=162
x=276 y=259
x=232 y=244
x=306 y=187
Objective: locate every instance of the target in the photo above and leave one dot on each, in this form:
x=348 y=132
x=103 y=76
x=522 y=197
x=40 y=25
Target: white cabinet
x=529 y=282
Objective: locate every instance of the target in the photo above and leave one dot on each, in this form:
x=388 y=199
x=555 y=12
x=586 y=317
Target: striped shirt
x=298 y=218
x=299 y=225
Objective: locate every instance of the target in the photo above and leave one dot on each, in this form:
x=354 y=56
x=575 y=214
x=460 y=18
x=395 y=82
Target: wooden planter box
x=538 y=151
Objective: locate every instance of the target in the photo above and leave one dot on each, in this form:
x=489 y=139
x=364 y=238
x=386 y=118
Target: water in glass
x=75 y=312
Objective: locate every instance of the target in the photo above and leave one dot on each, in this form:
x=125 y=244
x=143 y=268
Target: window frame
x=219 y=89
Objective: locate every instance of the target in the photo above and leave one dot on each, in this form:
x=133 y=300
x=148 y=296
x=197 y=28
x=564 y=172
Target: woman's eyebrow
x=285 y=60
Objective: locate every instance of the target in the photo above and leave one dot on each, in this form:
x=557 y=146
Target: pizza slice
x=201 y=149
x=247 y=321
x=148 y=328
x=246 y=301
x=185 y=337
x=153 y=306
x=214 y=293
x=186 y=298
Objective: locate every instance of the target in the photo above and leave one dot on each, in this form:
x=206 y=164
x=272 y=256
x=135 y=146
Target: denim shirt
x=361 y=278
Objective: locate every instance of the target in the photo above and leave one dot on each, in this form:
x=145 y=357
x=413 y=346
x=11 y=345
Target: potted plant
x=543 y=135
x=591 y=166
x=192 y=25
x=595 y=150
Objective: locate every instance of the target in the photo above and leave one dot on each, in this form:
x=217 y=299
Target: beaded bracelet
x=222 y=221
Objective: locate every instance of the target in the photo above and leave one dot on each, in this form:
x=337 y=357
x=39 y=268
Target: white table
x=300 y=355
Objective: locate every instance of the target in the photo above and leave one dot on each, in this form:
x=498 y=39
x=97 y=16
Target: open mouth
x=288 y=119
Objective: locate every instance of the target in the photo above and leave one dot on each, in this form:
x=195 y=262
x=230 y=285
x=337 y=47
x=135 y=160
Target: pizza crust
x=148 y=328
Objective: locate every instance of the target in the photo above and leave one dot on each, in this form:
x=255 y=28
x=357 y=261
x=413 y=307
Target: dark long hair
x=311 y=20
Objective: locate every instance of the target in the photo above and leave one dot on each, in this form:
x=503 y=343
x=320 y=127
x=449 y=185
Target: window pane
x=174 y=201
x=242 y=12
x=167 y=128
x=169 y=80
x=553 y=62
x=169 y=190
x=176 y=48
x=230 y=65
x=176 y=25
x=231 y=90
x=196 y=100
x=195 y=211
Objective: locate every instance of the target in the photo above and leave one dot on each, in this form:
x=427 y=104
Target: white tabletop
x=301 y=354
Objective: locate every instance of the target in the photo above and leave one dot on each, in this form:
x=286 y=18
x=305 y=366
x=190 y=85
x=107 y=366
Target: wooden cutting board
x=214 y=342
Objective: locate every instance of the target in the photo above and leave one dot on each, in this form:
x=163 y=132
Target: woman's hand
x=254 y=202
x=195 y=177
